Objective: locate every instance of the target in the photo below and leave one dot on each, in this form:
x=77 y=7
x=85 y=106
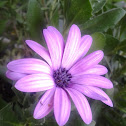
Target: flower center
x=62 y=77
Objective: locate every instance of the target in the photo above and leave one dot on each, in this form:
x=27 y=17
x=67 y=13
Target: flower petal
x=87 y=62
x=81 y=104
x=55 y=45
x=72 y=46
x=94 y=93
x=62 y=106
x=35 y=83
x=89 y=92
x=102 y=93
x=45 y=105
x=29 y=66
x=93 y=80
x=97 y=70
x=40 y=50
x=14 y=75
x=85 y=45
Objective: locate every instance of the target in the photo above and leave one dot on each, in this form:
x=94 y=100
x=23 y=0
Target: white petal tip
x=51 y=27
x=110 y=104
x=99 y=52
x=36 y=116
x=75 y=27
x=89 y=37
x=28 y=41
x=17 y=87
x=110 y=85
x=88 y=122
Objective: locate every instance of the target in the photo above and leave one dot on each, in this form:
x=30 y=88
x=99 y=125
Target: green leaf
x=2 y=3
x=55 y=18
x=34 y=19
x=123 y=69
x=8 y=117
x=104 y=21
x=19 y=112
x=19 y=18
x=120 y=58
x=2 y=103
x=97 y=5
x=112 y=117
x=123 y=29
x=120 y=4
x=77 y=11
x=122 y=46
x=98 y=41
x=2 y=26
x=19 y=95
x=120 y=98
x=123 y=33
x=111 y=44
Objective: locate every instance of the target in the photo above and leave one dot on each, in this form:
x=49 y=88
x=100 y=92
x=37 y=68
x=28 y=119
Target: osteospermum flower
x=64 y=73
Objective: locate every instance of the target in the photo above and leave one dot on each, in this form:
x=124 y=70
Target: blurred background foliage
x=104 y=20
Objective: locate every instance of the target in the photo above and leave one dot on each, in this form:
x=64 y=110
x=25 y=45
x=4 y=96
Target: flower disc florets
x=62 y=77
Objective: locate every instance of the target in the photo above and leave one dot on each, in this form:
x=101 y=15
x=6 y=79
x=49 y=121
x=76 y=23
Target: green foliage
x=104 y=21
x=2 y=26
x=122 y=46
x=7 y=116
x=99 y=40
x=97 y=5
x=111 y=44
x=123 y=29
x=2 y=3
x=55 y=18
x=34 y=19
x=2 y=103
x=77 y=11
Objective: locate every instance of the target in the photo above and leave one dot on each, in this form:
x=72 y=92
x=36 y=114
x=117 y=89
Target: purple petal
x=88 y=91
x=35 y=83
x=55 y=45
x=62 y=106
x=29 y=66
x=97 y=70
x=72 y=46
x=81 y=104
x=14 y=75
x=40 y=50
x=94 y=93
x=93 y=80
x=85 y=45
x=45 y=105
x=87 y=62
x=102 y=93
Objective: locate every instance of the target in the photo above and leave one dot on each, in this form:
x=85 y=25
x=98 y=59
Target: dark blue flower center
x=62 y=77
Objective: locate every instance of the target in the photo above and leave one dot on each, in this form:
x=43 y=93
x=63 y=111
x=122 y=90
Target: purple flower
x=64 y=73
